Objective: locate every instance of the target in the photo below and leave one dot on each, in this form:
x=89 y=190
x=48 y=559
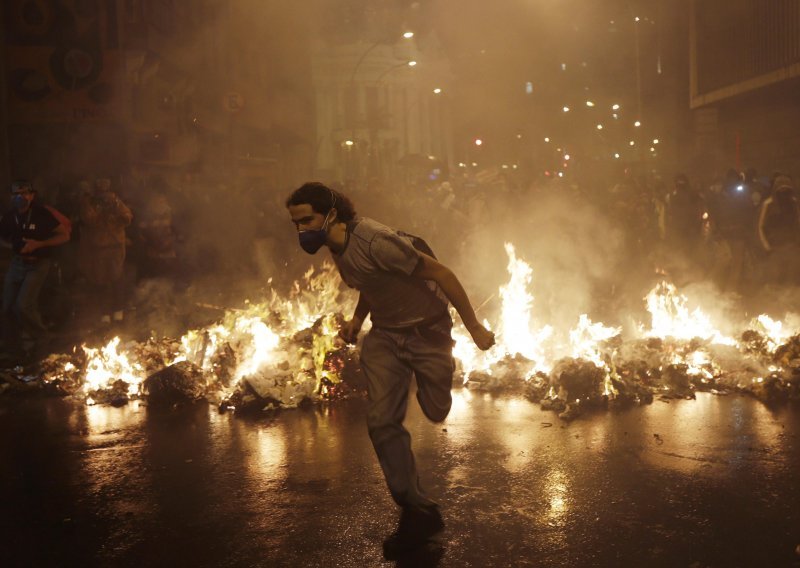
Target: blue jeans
x=389 y=360
x=23 y=283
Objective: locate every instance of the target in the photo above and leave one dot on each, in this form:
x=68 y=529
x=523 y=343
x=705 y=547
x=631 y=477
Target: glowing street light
x=566 y=109
x=615 y=107
x=637 y=124
x=408 y=35
x=567 y=156
x=437 y=91
x=655 y=141
x=478 y=142
x=632 y=143
x=348 y=142
x=589 y=104
x=616 y=156
x=393 y=68
x=599 y=127
x=546 y=139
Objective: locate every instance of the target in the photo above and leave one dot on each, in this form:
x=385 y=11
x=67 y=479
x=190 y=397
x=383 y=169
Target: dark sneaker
x=416 y=529
x=423 y=517
x=413 y=553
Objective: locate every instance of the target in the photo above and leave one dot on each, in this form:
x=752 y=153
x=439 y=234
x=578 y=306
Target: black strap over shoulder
x=419 y=243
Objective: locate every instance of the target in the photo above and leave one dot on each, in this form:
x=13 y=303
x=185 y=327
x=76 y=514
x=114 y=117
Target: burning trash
x=274 y=354
x=175 y=384
x=283 y=352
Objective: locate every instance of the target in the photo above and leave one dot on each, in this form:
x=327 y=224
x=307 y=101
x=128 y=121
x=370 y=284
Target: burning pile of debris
x=596 y=367
x=283 y=352
x=639 y=371
x=275 y=354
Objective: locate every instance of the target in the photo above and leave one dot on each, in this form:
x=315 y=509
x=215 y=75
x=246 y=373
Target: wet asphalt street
x=711 y=482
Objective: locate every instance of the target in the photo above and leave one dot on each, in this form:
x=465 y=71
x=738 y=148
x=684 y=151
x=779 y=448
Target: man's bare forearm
x=430 y=269
x=362 y=309
x=452 y=288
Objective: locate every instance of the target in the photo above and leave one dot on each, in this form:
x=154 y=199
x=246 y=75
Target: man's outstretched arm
x=431 y=269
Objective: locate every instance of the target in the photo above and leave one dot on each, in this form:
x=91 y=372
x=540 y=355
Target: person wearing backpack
x=405 y=291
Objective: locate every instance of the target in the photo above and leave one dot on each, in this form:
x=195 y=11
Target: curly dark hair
x=322 y=199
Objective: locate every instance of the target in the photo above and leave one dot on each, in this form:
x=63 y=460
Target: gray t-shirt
x=378 y=262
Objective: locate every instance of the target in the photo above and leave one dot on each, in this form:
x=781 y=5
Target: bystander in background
x=104 y=218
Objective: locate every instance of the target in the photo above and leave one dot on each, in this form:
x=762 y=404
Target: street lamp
x=406 y=35
x=352 y=95
x=411 y=63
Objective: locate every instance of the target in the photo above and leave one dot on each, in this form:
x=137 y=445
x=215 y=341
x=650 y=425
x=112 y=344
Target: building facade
x=381 y=111
x=158 y=86
x=745 y=83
